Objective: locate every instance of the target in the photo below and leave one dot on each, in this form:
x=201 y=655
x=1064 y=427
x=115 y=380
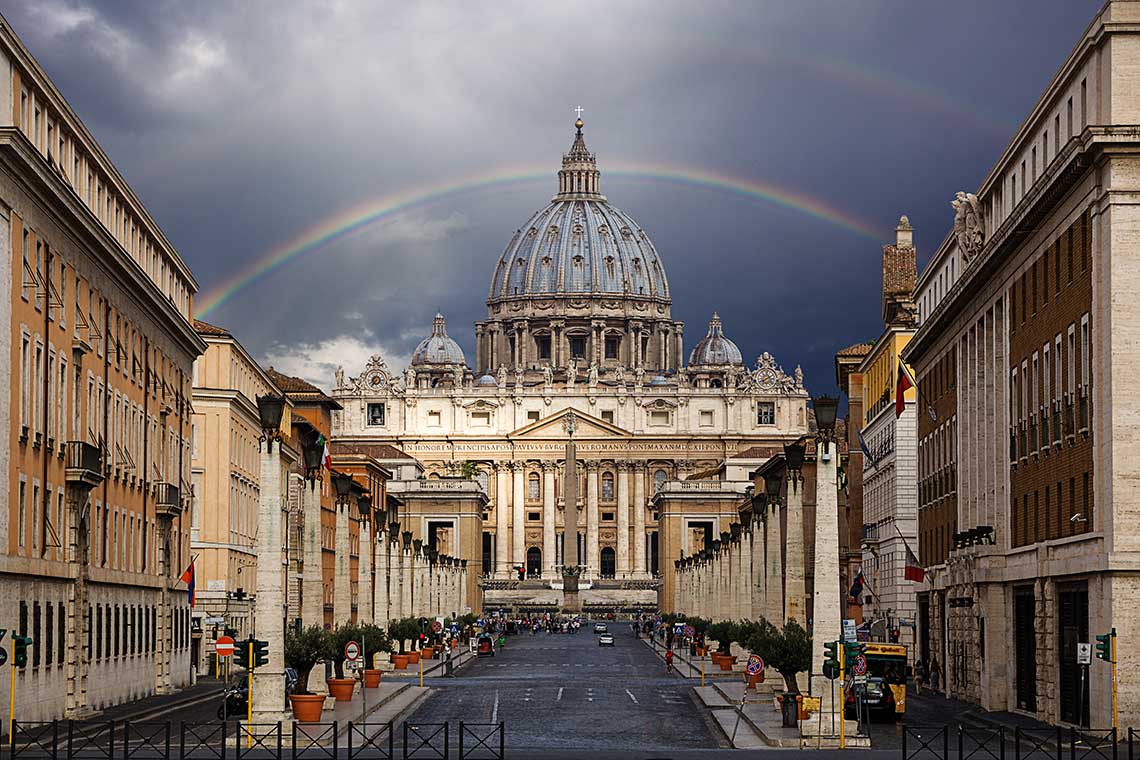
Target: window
x=608 y=416
x=61 y=642
x=375 y=414
x=36 y=648
x=480 y=419
x=608 y=486
x=542 y=342
x=532 y=416
x=433 y=419
x=613 y=344
x=659 y=418
x=659 y=478
x=577 y=346
x=765 y=413
x=1069 y=119
x=607 y=516
x=533 y=487
x=1071 y=359
x=706 y=418
x=1086 y=356
x=1046 y=378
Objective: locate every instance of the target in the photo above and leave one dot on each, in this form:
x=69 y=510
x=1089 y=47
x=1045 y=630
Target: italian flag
x=904 y=383
x=327 y=458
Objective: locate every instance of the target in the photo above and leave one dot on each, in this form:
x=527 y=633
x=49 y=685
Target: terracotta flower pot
x=428 y=653
x=753 y=680
x=413 y=657
x=372 y=678
x=400 y=661
x=307 y=707
x=454 y=644
x=341 y=688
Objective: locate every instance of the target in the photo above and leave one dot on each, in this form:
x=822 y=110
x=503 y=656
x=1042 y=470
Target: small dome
x=487 y=380
x=437 y=348
x=715 y=349
x=659 y=380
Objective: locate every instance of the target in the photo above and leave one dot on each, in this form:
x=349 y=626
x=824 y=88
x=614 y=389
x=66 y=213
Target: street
x=566 y=692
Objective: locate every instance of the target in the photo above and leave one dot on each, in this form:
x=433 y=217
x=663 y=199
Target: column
x=826 y=613
x=312 y=581
x=774 y=548
x=380 y=613
x=640 y=560
x=364 y=611
x=747 y=576
x=464 y=607
x=794 y=572
x=759 y=579
x=342 y=589
x=518 y=515
x=268 y=683
x=623 y=564
x=549 y=539
x=593 y=560
x=407 y=572
x=502 y=519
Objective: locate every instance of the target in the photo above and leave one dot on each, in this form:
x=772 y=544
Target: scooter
x=235 y=699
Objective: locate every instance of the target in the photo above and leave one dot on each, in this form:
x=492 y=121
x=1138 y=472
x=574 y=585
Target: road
x=566 y=692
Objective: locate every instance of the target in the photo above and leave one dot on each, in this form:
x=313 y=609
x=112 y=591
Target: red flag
x=902 y=385
x=914 y=571
x=188 y=579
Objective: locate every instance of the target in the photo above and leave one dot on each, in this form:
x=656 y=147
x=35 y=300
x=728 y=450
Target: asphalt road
x=563 y=692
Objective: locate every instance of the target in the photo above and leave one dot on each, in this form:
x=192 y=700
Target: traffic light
x=1104 y=645
x=831 y=660
x=260 y=653
x=20 y=656
x=894 y=635
x=850 y=650
x=241 y=654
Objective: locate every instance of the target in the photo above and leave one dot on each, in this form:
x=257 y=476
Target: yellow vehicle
x=885 y=688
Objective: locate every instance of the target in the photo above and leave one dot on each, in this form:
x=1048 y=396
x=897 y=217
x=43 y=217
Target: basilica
x=578 y=320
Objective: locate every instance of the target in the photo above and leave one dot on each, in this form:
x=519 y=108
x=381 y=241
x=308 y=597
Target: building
x=850 y=382
x=226 y=474
x=889 y=473
x=1028 y=315
x=95 y=325
x=578 y=318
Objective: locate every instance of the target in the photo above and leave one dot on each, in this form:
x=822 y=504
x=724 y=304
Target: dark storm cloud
x=242 y=125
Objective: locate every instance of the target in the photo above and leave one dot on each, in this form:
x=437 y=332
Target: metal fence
x=1057 y=743
x=236 y=740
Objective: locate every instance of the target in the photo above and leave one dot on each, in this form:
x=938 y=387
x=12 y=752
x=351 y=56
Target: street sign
x=214 y=621
x=690 y=631
x=436 y=626
x=1084 y=653
x=859 y=665
x=860 y=680
x=224 y=646
x=352 y=651
x=755 y=665
x=849 y=630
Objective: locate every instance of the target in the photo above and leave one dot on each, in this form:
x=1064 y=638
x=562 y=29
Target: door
x=1025 y=649
x=1073 y=614
x=533 y=562
x=609 y=562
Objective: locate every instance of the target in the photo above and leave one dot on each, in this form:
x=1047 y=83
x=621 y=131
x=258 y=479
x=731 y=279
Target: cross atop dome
x=579 y=177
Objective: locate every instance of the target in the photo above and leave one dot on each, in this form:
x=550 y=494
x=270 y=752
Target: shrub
x=303 y=650
x=375 y=640
x=340 y=638
x=788 y=651
x=722 y=632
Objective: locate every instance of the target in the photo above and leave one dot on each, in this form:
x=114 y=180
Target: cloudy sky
x=249 y=128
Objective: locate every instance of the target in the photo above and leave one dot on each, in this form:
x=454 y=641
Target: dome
x=487 y=380
x=658 y=380
x=579 y=244
x=437 y=348
x=715 y=349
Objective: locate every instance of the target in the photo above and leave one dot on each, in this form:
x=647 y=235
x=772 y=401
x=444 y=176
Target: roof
x=300 y=390
x=205 y=328
x=859 y=349
x=380 y=451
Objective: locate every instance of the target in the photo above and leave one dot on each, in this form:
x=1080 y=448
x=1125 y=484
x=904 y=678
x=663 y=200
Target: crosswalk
x=568 y=696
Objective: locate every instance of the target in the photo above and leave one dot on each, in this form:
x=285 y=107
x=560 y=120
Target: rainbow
x=375 y=210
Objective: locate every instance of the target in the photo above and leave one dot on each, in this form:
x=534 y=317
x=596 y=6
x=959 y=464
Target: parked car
x=606 y=640
x=485 y=646
x=600 y=628
x=877 y=700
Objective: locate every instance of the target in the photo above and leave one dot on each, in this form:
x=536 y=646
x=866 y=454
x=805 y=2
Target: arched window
x=533 y=488
x=659 y=478
x=484 y=481
x=608 y=486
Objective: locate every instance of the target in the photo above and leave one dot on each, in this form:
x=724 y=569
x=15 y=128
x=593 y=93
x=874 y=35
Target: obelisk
x=571 y=559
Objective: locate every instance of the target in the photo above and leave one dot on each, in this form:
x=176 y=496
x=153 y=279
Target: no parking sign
x=755 y=665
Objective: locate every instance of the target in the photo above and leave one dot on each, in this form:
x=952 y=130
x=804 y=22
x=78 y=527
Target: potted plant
x=722 y=631
x=341 y=688
x=400 y=631
x=375 y=641
x=303 y=650
x=789 y=652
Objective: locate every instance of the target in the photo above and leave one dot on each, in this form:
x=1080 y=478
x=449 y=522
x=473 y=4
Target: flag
x=188 y=579
x=326 y=458
x=914 y=571
x=904 y=383
x=856 y=591
x=866 y=451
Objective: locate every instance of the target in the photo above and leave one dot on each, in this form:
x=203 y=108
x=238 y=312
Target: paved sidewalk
x=156 y=706
x=690 y=667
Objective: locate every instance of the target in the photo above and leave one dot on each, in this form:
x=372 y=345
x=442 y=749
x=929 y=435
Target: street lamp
x=794 y=456
x=270 y=408
x=342 y=482
x=364 y=504
x=825 y=408
x=313 y=451
x=772 y=485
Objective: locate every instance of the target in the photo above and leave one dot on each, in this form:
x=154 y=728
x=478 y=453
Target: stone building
x=889 y=476
x=98 y=352
x=850 y=382
x=1026 y=349
x=578 y=318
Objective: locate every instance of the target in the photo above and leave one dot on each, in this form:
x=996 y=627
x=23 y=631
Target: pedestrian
x=935 y=673
x=919 y=675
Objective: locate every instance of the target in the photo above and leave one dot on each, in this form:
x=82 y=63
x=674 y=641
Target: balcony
x=1070 y=432
x=167 y=502
x=1083 y=412
x=84 y=464
x=1057 y=423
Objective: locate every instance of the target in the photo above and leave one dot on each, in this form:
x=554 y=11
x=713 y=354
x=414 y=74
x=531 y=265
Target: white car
x=606 y=640
x=600 y=628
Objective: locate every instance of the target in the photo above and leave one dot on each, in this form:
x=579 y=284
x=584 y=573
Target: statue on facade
x=969 y=228
x=339 y=375
x=639 y=376
x=501 y=376
x=410 y=377
x=571 y=372
x=799 y=375
x=547 y=376
x=518 y=378
x=458 y=375
x=592 y=375
x=619 y=375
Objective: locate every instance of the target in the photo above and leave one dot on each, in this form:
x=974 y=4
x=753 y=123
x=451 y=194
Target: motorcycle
x=235 y=698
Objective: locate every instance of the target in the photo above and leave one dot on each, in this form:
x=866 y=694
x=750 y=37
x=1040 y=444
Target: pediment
x=586 y=427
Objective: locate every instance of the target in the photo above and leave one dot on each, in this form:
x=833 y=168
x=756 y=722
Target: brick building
x=1028 y=312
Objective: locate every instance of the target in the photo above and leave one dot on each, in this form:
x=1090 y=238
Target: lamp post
x=794 y=585
x=267 y=684
x=312 y=580
x=826 y=611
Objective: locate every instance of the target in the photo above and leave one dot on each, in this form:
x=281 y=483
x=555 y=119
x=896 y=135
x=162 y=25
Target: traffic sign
x=224 y=646
x=436 y=626
x=1084 y=653
x=352 y=650
x=849 y=631
x=755 y=665
x=690 y=631
x=859 y=665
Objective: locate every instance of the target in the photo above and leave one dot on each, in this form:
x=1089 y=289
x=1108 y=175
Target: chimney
x=900 y=272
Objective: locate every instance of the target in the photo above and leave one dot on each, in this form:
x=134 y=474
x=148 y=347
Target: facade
x=99 y=349
x=1028 y=312
x=578 y=318
x=889 y=475
x=850 y=382
x=226 y=474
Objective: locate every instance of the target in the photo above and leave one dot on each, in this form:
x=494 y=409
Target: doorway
x=533 y=562
x=609 y=562
x=1073 y=604
x=1025 y=649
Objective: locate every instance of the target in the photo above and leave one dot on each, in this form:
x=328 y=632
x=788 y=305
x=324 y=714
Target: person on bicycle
x=668 y=660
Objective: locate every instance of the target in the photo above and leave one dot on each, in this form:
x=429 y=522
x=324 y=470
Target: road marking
x=559 y=697
x=495 y=709
x=627 y=691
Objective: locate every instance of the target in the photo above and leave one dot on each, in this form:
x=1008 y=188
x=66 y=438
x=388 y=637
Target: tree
x=403 y=629
x=722 y=631
x=469 y=470
x=303 y=650
x=340 y=638
x=375 y=640
x=788 y=651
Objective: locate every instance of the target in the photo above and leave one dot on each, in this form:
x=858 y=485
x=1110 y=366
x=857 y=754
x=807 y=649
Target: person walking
x=935 y=673
x=919 y=675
